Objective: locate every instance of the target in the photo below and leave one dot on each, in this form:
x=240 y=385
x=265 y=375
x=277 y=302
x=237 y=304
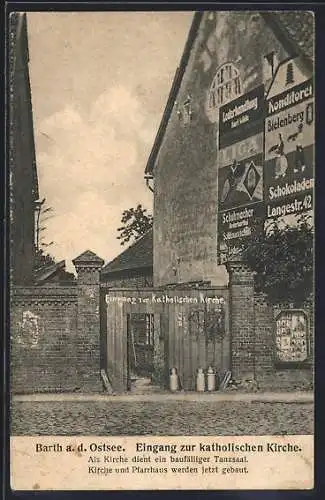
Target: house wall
x=185 y=202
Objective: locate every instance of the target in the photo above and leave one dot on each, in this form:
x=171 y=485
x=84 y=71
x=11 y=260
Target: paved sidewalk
x=265 y=397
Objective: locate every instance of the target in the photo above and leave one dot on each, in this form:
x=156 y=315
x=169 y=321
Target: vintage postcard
x=161 y=243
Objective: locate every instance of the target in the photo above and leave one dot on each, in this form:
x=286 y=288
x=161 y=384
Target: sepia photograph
x=161 y=232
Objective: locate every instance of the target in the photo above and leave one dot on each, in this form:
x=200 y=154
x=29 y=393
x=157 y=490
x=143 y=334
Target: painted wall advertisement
x=242 y=117
x=240 y=172
x=289 y=144
x=266 y=157
x=291 y=337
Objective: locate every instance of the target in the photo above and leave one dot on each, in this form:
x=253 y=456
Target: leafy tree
x=282 y=260
x=136 y=222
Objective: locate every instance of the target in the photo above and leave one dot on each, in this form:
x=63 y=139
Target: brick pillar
x=88 y=266
x=242 y=320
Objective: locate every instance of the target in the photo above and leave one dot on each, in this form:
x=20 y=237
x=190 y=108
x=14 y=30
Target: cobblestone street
x=160 y=418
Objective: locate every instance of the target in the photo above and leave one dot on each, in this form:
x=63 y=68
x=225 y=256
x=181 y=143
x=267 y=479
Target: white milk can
x=211 y=379
x=200 y=381
x=173 y=380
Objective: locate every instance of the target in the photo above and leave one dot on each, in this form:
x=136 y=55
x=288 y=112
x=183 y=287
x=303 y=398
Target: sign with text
x=242 y=117
x=235 y=227
x=240 y=194
x=289 y=143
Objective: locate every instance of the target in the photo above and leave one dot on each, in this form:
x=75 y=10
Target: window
x=226 y=85
x=143 y=328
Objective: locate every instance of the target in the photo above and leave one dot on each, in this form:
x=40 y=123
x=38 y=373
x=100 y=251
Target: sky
x=100 y=83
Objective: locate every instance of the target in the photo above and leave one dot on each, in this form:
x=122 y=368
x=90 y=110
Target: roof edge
x=288 y=43
x=47 y=272
x=269 y=18
x=174 y=91
x=126 y=271
x=135 y=243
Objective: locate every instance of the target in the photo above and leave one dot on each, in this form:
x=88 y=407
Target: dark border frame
x=319 y=11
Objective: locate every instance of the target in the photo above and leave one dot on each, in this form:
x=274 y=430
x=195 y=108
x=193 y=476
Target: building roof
x=138 y=255
x=174 y=91
x=88 y=257
x=294 y=30
x=45 y=273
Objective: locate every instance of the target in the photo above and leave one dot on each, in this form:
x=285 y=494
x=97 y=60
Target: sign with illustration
x=240 y=194
x=291 y=336
x=289 y=143
x=241 y=182
x=242 y=117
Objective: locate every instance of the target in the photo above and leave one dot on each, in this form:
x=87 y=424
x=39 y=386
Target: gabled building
x=229 y=63
x=22 y=164
x=133 y=267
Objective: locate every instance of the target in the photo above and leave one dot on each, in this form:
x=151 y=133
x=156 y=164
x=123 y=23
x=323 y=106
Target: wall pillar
x=242 y=320
x=88 y=266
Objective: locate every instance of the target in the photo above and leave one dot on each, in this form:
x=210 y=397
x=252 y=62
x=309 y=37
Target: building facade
x=230 y=57
x=235 y=151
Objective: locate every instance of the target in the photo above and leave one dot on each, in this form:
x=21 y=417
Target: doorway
x=140 y=340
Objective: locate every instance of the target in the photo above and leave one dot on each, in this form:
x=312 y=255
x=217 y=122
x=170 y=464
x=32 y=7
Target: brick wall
x=253 y=340
x=241 y=320
x=88 y=328
x=56 y=345
x=269 y=374
x=43 y=336
x=55 y=334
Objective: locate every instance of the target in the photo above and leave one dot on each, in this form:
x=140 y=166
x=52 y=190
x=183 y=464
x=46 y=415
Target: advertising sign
x=235 y=227
x=291 y=337
x=240 y=172
x=289 y=144
x=242 y=117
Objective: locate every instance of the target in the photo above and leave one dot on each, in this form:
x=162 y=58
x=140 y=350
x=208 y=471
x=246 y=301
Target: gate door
x=116 y=351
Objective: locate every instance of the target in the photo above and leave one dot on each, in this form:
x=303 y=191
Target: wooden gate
x=147 y=331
